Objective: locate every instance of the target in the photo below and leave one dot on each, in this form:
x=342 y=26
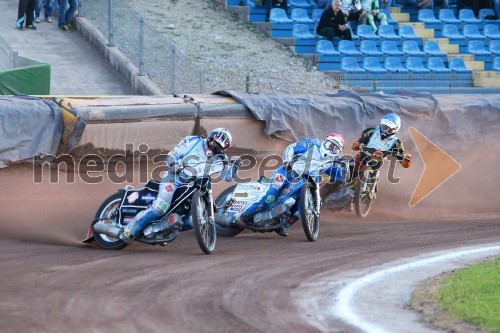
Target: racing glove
x=406 y=161
x=355 y=145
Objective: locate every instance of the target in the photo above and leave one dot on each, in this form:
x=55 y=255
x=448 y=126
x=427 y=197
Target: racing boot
x=139 y=222
x=282 y=232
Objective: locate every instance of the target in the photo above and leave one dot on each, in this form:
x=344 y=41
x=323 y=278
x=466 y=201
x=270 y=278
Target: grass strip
x=473 y=294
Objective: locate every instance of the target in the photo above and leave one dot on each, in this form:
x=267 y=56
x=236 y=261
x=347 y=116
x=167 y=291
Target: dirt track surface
x=51 y=282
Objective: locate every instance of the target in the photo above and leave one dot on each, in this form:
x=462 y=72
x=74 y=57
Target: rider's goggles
x=332 y=146
x=222 y=140
x=387 y=129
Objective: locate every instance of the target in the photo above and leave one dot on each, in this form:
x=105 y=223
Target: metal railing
x=154 y=54
x=452 y=83
x=8 y=57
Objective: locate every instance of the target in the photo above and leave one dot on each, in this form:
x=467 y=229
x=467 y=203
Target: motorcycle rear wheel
x=107 y=209
x=204 y=229
x=224 y=231
x=363 y=199
x=308 y=214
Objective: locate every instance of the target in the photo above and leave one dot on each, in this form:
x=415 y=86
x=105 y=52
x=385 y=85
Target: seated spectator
x=333 y=23
x=373 y=14
x=385 y=4
x=420 y=4
x=270 y=4
x=353 y=11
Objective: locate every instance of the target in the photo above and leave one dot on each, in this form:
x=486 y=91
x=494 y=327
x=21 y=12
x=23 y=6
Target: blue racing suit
x=306 y=149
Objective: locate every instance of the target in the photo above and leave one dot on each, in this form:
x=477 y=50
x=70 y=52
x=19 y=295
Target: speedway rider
x=383 y=138
x=192 y=150
x=326 y=151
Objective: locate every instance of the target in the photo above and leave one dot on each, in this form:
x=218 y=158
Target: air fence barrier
x=8 y=57
x=154 y=54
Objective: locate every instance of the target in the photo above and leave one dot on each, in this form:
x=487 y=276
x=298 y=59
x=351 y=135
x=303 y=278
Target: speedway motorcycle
x=192 y=202
x=300 y=199
x=361 y=188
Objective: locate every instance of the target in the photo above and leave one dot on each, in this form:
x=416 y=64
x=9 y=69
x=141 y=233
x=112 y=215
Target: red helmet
x=332 y=144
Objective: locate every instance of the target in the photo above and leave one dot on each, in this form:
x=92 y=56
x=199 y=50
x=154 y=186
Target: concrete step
x=415 y=25
x=401 y=17
x=486 y=78
x=465 y=57
x=475 y=65
x=425 y=33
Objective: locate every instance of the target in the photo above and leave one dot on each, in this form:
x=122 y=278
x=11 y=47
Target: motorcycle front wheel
x=364 y=194
x=204 y=229
x=224 y=231
x=308 y=214
x=108 y=209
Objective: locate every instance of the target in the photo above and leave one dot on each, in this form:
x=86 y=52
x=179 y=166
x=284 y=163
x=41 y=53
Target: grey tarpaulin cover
x=449 y=120
x=29 y=126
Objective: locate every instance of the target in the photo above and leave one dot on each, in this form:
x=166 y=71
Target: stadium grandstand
x=440 y=50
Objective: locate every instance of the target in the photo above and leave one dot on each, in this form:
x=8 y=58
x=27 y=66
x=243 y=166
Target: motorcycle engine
x=167 y=222
x=339 y=200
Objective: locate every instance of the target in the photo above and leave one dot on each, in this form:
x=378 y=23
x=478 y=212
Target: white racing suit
x=189 y=154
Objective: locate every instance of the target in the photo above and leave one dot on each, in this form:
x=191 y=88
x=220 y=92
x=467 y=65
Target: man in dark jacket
x=334 y=23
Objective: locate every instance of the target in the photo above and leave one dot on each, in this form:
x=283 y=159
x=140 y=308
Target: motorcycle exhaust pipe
x=228 y=221
x=107 y=229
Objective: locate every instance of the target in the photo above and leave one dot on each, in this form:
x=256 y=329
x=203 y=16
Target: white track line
x=350 y=299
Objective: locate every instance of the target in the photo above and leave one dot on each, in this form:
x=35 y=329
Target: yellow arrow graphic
x=438 y=167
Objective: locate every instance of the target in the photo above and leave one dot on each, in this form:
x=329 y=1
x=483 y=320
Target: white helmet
x=219 y=140
x=389 y=125
x=332 y=145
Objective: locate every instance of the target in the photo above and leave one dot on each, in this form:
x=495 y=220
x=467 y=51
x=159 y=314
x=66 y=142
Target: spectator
x=420 y=4
x=270 y=4
x=333 y=23
x=66 y=14
x=26 y=15
x=385 y=4
x=353 y=11
x=373 y=14
x=48 y=4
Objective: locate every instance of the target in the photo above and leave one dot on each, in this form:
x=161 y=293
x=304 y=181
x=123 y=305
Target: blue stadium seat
x=483 y=12
x=372 y=64
x=278 y=15
x=451 y=31
x=467 y=16
x=369 y=48
x=316 y=14
x=410 y=48
x=365 y=32
x=496 y=64
x=393 y=64
x=350 y=64
x=407 y=32
x=300 y=4
x=447 y=16
x=325 y=47
x=436 y=65
x=431 y=48
x=476 y=47
x=299 y=15
x=347 y=47
x=301 y=31
x=414 y=65
x=427 y=16
x=491 y=31
x=472 y=32
x=495 y=47
x=458 y=65
x=387 y=13
x=387 y=32
x=390 y=48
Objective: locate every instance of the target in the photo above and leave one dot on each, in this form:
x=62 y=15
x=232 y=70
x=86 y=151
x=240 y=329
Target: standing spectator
x=66 y=15
x=353 y=11
x=26 y=14
x=373 y=14
x=334 y=23
x=270 y=4
x=48 y=4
